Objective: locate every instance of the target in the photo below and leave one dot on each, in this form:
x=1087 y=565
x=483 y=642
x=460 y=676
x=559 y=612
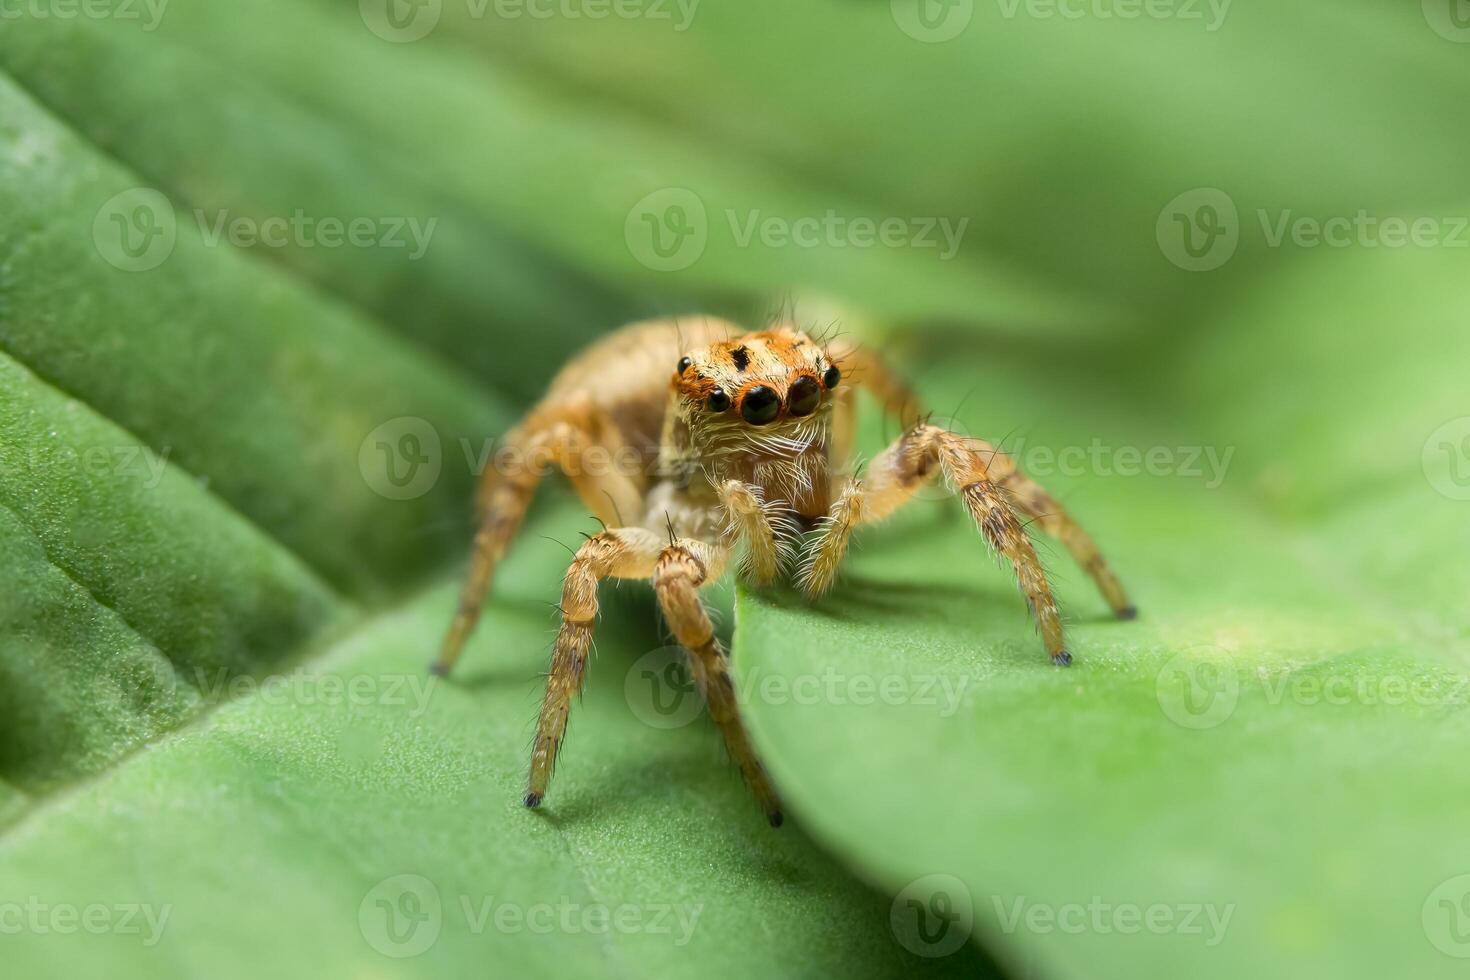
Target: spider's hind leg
x=558 y=435
x=862 y=369
x=501 y=503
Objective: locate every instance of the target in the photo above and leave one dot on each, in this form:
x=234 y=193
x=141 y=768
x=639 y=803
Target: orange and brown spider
x=738 y=447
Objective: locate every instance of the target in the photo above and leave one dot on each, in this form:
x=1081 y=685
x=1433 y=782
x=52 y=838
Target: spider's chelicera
x=742 y=442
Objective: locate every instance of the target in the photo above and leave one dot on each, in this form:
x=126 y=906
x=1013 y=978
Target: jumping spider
x=738 y=447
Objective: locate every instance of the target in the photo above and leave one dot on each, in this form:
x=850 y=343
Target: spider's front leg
x=628 y=552
x=892 y=480
x=684 y=567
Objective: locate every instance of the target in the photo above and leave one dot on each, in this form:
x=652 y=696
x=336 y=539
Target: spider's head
x=758 y=408
x=776 y=381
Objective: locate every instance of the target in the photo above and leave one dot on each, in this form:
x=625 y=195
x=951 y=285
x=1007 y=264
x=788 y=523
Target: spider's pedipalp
x=819 y=567
x=766 y=529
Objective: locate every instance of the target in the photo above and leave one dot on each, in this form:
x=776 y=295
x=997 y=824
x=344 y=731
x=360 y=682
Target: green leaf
x=1060 y=132
x=447 y=266
x=193 y=502
x=220 y=751
x=1277 y=742
x=396 y=99
x=268 y=834
x=230 y=371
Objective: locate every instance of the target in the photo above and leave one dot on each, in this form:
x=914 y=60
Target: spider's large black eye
x=684 y=364
x=718 y=400
x=803 y=397
x=760 y=405
x=831 y=378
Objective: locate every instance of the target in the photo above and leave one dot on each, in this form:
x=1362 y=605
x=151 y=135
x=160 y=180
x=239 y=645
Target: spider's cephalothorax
x=756 y=409
x=691 y=440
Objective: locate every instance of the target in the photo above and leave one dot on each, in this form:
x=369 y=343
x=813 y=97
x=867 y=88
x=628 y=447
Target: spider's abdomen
x=623 y=380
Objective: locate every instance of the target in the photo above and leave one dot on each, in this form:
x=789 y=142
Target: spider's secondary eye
x=760 y=405
x=831 y=378
x=718 y=400
x=804 y=396
x=684 y=364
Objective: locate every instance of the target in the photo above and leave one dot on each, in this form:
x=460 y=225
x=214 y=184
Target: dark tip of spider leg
x=532 y=800
x=775 y=818
x=1128 y=612
x=1062 y=658
x=438 y=669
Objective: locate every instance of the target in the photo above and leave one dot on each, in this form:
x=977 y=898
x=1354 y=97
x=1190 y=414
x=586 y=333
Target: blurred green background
x=244 y=244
